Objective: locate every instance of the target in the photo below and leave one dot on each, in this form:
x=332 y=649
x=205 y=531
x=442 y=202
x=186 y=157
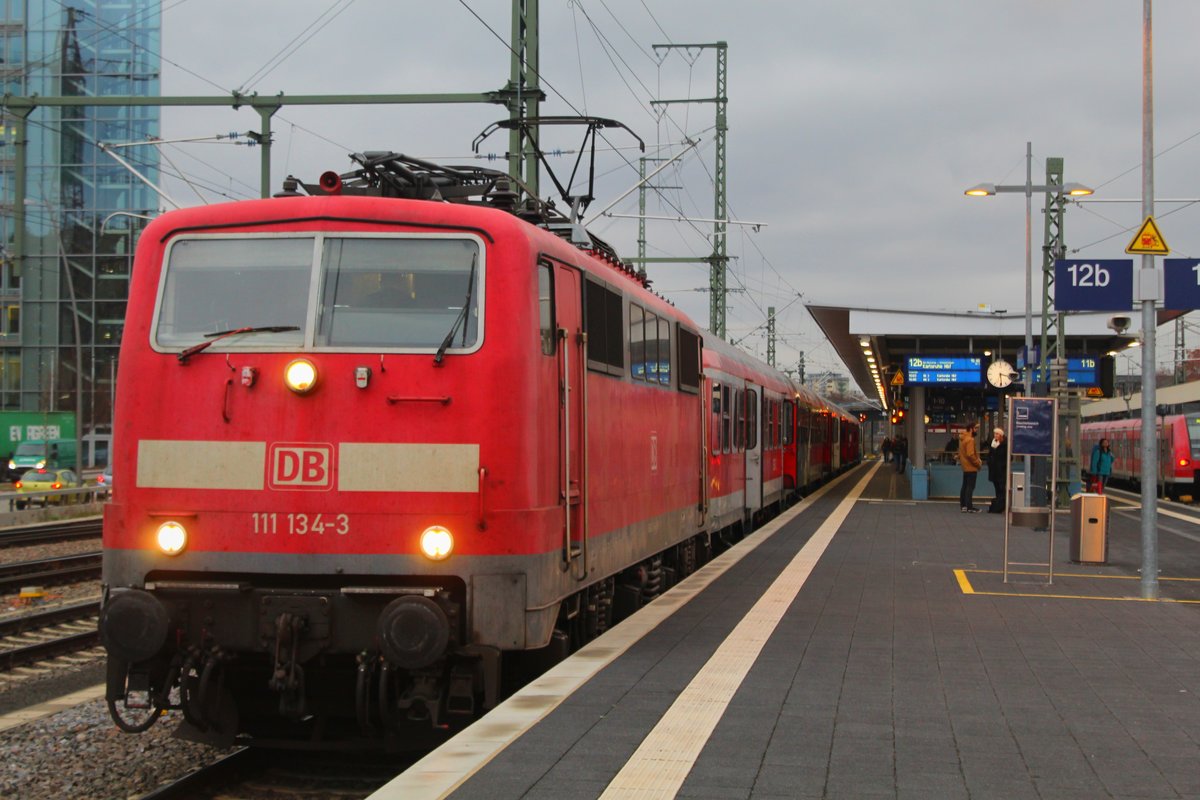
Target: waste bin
x=1089 y=528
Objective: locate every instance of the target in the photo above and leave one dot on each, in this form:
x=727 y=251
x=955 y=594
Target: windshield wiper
x=213 y=338
x=462 y=316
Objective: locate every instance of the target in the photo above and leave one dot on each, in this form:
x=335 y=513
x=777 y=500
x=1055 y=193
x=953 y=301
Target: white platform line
x=666 y=756
x=449 y=766
x=33 y=713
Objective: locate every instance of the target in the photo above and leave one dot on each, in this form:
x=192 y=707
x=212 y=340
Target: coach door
x=572 y=418
x=754 y=459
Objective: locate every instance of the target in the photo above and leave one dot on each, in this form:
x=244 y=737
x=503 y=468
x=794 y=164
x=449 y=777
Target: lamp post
x=1028 y=188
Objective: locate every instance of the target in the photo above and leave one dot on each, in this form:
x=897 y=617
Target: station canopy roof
x=895 y=334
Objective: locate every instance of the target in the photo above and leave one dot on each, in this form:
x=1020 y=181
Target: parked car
x=105 y=478
x=45 y=480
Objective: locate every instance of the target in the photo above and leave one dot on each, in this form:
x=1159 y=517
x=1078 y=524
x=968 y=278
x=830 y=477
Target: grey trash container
x=1089 y=528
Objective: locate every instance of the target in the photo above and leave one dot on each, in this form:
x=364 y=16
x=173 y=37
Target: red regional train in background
x=390 y=443
x=1178 y=439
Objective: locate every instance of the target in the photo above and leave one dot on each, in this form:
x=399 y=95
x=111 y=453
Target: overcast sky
x=854 y=128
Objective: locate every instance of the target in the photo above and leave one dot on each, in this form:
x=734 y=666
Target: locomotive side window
x=221 y=284
x=603 y=323
x=546 y=308
x=664 y=352
x=399 y=292
x=637 y=342
x=649 y=346
x=689 y=360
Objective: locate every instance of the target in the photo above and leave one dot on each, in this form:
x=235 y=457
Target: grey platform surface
x=906 y=668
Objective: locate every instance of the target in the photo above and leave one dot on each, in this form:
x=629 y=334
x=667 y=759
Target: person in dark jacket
x=998 y=470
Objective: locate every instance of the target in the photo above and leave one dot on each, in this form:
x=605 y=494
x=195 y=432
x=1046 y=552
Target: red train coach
x=1178 y=438
x=379 y=445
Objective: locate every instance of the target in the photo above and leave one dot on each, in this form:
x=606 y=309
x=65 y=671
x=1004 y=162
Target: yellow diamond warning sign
x=898 y=378
x=1148 y=241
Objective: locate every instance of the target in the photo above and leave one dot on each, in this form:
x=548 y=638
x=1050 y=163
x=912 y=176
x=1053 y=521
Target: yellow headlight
x=437 y=543
x=172 y=538
x=300 y=376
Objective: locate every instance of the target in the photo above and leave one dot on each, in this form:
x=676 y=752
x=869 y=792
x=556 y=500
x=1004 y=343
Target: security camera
x=1119 y=324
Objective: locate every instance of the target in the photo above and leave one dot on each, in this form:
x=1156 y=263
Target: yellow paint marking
x=964 y=584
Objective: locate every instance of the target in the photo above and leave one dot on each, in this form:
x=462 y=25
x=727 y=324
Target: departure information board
x=1082 y=371
x=963 y=370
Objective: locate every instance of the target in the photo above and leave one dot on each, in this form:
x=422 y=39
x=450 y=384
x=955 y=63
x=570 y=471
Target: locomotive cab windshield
x=401 y=292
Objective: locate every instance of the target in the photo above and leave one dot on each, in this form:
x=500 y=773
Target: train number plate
x=270 y=522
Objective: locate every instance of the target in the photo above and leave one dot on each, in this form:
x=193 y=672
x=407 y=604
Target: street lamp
x=1027 y=189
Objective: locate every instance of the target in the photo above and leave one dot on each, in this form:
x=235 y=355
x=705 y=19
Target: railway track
x=54 y=571
x=48 y=634
x=45 y=533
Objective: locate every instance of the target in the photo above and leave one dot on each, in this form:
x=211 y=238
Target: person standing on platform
x=998 y=470
x=1101 y=466
x=886 y=449
x=900 y=453
x=968 y=458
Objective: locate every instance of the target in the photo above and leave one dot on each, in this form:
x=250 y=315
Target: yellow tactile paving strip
x=449 y=766
x=666 y=756
x=967 y=587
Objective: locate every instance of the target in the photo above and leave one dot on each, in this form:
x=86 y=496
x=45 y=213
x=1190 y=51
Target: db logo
x=300 y=466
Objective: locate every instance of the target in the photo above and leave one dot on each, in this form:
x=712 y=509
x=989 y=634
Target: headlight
x=172 y=538
x=300 y=376
x=437 y=543
x=41 y=464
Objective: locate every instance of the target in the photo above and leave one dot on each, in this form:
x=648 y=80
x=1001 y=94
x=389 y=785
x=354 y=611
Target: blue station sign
x=1181 y=284
x=1095 y=285
x=964 y=370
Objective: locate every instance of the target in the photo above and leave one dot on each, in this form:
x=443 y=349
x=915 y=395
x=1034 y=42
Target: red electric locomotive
x=384 y=438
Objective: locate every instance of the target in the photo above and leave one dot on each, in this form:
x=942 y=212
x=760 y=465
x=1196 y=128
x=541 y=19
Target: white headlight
x=437 y=543
x=172 y=538
x=300 y=376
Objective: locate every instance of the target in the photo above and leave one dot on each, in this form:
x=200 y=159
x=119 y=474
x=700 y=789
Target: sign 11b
x=1181 y=284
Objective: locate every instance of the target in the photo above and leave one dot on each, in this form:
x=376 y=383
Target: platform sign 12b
x=1181 y=284
x=1095 y=285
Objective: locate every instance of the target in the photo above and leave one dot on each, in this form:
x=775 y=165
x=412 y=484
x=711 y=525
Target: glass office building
x=69 y=273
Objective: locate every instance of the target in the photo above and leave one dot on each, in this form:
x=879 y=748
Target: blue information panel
x=1096 y=285
x=944 y=369
x=1082 y=371
x=1181 y=283
x=1031 y=422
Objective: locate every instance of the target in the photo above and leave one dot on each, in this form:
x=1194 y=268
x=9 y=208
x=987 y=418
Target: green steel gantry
x=719 y=260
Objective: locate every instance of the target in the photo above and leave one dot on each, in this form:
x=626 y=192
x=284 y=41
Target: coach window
x=714 y=420
x=605 y=332
x=546 y=308
x=726 y=420
x=789 y=417
x=739 y=415
x=751 y=419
